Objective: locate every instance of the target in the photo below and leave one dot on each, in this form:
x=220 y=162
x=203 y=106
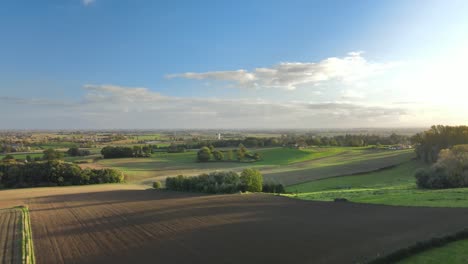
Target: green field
x=285 y=165
x=395 y=186
x=284 y=156
x=22 y=156
x=452 y=253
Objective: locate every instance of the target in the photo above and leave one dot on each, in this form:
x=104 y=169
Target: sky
x=246 y=64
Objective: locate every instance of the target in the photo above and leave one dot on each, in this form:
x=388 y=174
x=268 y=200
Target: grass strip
x=419 y=247
x=27 y=242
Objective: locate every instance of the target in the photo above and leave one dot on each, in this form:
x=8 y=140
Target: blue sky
x=226 y=64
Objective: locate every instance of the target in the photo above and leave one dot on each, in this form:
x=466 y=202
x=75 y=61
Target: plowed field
x=10 y=236
x=131 y=225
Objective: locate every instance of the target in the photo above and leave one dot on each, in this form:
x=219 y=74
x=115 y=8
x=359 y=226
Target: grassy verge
x=436 y=249
x=27 y=243
x=452 y=253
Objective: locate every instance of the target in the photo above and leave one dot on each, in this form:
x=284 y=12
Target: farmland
x=394 y=186
x=284 y=165
x=132 y=223
x=10 y=236
x=125 y=223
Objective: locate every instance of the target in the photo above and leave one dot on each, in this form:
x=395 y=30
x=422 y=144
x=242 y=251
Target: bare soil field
x=10 y=236
x=126 y=224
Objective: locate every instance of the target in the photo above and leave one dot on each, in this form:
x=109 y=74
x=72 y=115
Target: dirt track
x=10 y=236
x=93 y=225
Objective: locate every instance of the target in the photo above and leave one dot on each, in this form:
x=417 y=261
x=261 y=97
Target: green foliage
x=204 y=154
x=8 y=157
x=450 y=171
x=429 y=143
x=75 y=152
x=251 y=180
x=241 y=152
x=52 y=154
x=229 y=155
x=126 y=152
x=157 y=185
x=215 y=182
x=54 y=172
x=218 y=155
x=273 y=188
x=173 y=148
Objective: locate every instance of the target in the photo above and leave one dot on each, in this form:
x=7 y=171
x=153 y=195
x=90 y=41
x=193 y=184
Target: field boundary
x=358 y=173
x=27 y=247
x=420 y=247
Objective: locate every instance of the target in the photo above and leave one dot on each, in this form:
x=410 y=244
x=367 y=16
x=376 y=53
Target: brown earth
x=10 y=236
x=127 y=224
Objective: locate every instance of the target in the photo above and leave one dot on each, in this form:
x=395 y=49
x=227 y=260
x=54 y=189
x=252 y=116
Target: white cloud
x=111 y=106
x=352 y=94
x=87 y=2
x=290 y=75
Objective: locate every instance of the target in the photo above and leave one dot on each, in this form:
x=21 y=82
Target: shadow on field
x=146 y=225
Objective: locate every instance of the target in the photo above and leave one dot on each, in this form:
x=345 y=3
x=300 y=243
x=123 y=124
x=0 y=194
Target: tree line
x=348 y=140
x=53 y=173
x=206 y=154
x=450 y=170
x=430 y=142
x=250 y=180
x=110 y=152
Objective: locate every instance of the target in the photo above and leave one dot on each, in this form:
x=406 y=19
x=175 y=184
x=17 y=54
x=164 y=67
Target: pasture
x=125 y=223
x=394 y=186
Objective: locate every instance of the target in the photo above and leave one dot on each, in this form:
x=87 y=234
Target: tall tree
x=204 y=154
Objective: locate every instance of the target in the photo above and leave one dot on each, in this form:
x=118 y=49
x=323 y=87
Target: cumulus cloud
x=111 y=106
x=290 y=75
x=87 y=2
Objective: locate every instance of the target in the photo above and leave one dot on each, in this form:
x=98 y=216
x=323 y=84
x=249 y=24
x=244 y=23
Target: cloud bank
x=290 y=75
x=112 y=106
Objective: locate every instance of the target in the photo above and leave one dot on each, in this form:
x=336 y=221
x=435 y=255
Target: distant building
x=219 y=136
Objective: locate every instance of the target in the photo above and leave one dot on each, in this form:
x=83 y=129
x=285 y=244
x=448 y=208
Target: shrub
x=273 y=188
x=204 y=154
x=450 y=171
x=218 y=155
x=157 y=185
x=251 y=180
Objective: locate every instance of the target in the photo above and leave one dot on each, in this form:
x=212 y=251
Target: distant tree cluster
x=429 y=143
x=76 y=152
x=450 y=170
x=110 y=152
x=218 y=182
x=292 y=140
x=206 y=154
x=174 y=148
x=273 y=188
x=52 y=154
x=53 y=173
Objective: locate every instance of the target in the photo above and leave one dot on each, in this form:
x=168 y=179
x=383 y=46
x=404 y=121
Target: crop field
x=125 y=223
x=284 y=165
x=10 y=236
